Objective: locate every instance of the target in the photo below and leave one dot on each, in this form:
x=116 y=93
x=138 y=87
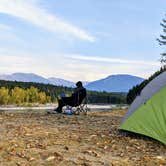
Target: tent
x=147 y=113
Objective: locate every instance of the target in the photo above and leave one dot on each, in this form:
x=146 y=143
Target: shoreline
x=52 y=106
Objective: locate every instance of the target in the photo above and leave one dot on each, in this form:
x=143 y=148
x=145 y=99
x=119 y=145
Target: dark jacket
x=78 y=95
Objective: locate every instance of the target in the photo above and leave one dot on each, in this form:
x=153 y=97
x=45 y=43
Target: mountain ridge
x=115 y=83
x=111 y=83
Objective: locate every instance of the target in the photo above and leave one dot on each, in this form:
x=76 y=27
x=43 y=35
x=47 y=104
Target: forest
x=26 y=93
x=136 y=90
x=21 y=96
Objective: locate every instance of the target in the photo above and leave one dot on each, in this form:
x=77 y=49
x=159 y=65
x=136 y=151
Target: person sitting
x=74 y=100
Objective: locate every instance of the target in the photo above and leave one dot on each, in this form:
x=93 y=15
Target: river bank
x=52 y=106
x=35 y=138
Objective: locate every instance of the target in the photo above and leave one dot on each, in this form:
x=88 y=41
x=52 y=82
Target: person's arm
x=75 y=92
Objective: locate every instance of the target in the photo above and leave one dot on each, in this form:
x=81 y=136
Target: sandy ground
x=35 y=138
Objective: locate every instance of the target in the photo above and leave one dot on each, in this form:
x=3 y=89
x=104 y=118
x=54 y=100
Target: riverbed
x=35 y=138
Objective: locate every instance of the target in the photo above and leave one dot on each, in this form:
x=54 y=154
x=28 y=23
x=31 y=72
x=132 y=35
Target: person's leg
x=60 y=106
x=63 y=102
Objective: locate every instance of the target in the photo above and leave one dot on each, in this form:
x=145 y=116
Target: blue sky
x=80 y=39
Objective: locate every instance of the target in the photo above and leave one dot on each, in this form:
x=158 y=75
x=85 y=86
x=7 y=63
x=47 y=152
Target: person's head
x=79 y=84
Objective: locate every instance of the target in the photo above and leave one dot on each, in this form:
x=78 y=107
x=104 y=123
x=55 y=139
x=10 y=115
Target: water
x=51 y=107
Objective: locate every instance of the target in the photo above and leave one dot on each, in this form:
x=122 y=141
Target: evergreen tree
x=136 y=90
x=162 y=41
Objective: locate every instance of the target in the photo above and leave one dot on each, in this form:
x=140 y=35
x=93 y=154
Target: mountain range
x=115 y=83
x=112 y=83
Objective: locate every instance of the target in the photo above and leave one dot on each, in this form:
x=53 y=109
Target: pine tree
x=162 y=40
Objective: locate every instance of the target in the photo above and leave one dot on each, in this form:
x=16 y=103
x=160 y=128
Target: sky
x=80 y=39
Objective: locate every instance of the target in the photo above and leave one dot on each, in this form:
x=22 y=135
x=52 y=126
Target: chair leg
x=83 y=108
x=77 y=111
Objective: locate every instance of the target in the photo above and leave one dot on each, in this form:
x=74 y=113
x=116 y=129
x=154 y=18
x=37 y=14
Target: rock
x=66 y=148
x=31 y=159
x=50 y=158
x=58 y=156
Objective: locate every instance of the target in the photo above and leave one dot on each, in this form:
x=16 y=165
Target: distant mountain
x=25 y=77
x=85 y=83
x=61 y=82
x=30 y=77
x=115 y=83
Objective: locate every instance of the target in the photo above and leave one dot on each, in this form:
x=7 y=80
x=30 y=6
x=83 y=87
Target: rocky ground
x=35 y=138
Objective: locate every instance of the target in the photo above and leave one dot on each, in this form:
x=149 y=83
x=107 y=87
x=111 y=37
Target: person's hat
x=79 y=83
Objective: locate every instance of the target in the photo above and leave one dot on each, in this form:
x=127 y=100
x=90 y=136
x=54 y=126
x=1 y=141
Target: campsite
x=34 y=138
x=108 y=135
x=82 y=83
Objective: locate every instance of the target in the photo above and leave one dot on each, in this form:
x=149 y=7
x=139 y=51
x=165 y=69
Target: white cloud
x=93 y=68
x=78 y=69
x=31 y=12
x=63 y=66
x=13 y=63
x=114 y=60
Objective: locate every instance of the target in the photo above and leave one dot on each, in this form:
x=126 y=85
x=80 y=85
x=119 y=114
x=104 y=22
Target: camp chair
x=82 y=108
x=78 y=108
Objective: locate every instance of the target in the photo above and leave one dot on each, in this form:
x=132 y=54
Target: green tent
x=147 y=114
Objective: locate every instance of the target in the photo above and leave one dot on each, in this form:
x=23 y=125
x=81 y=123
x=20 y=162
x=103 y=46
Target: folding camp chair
x=79 y=108
x=82 y=108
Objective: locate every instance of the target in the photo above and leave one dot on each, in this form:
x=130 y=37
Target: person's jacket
x=78 y=95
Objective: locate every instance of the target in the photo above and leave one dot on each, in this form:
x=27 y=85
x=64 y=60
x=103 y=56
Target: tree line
x=21 y=96
x=51 y=93
x=136 y=90
x=104 y=97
